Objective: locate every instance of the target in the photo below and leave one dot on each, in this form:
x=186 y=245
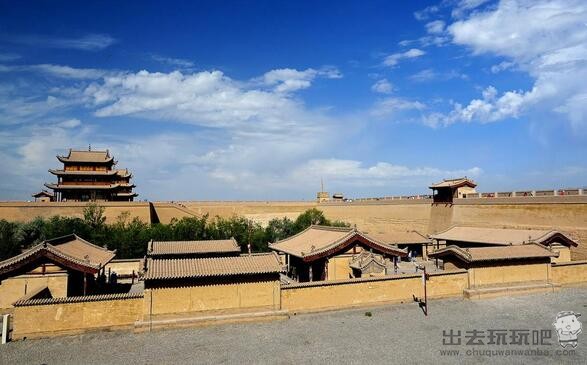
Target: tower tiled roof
x=87 y=156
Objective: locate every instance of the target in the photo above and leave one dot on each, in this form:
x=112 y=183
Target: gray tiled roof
x=165 y=269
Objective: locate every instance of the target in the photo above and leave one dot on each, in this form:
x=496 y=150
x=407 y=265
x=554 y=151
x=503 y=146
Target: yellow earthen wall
x=357 y=292
x=338 y=268
x=570 y=272
x=27 y=211
x=569 y=218
x=378 y=218
x=53 y=319
x=564 y=254
x=382 y=220
x=12 y=289
x=508 y=274
x=212 y=298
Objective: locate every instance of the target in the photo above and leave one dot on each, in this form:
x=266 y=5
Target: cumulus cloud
x=393 y=59
x=287 y=80
x=489 y=108
x=546 y=39
x=382 y=86
x=211 y=99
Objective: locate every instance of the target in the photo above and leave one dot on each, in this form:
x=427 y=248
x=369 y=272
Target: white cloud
x=382 y=86
x=546 y=39
x=424 y=75
x=70 y=123
x=464 y=6
x=65 y=72
x=287 y=80
x=210 y=99
x=394 y=59
x=488 y=109
x=354 y=173
x=435 y=27
x=69 y=72
x=391 y=105
x=425 y=13
x=7 y=57
x=176 y=62
x=90 y=42
x=429 y=74
x=502 y=66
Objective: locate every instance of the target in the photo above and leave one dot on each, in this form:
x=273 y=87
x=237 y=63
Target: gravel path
x=392 y=334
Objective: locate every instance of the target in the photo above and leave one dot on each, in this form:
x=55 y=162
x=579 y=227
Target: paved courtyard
x=392 y=334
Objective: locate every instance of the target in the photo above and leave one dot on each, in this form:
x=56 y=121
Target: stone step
x=206 y=320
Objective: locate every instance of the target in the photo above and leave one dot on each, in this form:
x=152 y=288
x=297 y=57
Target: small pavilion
x=44 y=196
x=449 y=189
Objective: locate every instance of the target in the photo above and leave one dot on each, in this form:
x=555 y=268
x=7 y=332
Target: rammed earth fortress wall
x=27 y=211
x=380 y=218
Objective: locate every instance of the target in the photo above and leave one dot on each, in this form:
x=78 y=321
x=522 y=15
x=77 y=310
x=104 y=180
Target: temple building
x=209 y=276
x=472 y=237
x=501 y=270
x=57 y=268
x=449 y=189
x=91 y=176
x=331 y=253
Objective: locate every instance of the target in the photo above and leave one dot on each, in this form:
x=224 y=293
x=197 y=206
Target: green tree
x=310 y=217
x=94 y=216
x=9 y=245
x=279 y=228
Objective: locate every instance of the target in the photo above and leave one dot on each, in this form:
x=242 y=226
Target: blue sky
x=260 y=100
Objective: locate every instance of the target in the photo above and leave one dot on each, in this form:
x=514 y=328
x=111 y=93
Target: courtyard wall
x=60 y=316
x=212 y=298
x=573 y=272
x=325 y=295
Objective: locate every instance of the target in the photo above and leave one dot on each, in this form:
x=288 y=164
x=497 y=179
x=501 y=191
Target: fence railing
x=527 y=193
x=399 y=197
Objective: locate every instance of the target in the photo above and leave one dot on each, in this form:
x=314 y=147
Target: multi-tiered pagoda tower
x=90 y=176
